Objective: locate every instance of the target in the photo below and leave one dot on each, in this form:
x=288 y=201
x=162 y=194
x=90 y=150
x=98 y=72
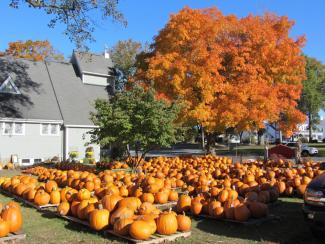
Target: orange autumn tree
x=229 y=71
x=35 y=50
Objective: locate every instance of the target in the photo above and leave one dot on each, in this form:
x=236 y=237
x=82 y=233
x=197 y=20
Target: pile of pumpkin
x=126 y=216
x=151 y=189
x=11 y=218
x=112 y=165
x=195 y=175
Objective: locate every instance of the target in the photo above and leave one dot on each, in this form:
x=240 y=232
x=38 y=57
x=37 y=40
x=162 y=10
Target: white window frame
x=10 y=81
x=13 y=133
x=50 y=129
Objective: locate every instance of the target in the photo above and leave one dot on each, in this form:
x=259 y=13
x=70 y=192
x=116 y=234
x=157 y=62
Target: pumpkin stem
x=100 y=206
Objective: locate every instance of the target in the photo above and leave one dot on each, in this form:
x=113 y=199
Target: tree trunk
x=202 y=136
x=310 y=129
x=241 y=136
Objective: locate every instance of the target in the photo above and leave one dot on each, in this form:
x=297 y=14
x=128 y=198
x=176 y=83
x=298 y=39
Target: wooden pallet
x=166 y=206
x=24 y=201
x=251 y=221
x=19 y=235
x=155 y=238
x=73 y=219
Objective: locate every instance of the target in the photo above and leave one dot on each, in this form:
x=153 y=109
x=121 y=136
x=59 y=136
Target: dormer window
x=8 y=86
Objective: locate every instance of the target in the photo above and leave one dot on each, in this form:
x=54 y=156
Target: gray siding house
x=45 y=106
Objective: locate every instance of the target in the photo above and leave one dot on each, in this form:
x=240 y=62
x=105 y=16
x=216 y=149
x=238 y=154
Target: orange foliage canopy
x=35 y=50
x=229 y=71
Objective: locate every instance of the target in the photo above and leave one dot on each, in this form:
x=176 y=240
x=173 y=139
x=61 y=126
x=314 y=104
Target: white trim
x=49 y=132
x=13 y=132
x=66 y=143
x=81 y=126
x=96 y=74
x=31 y=120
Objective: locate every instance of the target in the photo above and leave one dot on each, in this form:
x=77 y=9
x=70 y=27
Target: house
x=45 y=106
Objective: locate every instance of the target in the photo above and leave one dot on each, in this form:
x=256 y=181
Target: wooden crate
x=19 y=235
x=20 y=199
x=166 y=206
x=251 y=221
x=155 y=238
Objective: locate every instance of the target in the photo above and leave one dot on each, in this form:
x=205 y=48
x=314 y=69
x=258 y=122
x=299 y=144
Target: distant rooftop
x=93 y=63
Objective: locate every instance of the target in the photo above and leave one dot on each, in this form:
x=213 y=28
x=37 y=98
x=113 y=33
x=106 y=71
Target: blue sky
x=146 y=17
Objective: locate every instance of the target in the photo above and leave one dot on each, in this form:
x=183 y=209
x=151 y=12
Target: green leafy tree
x=75 y=15
x=135 y=119
x=313 y=94
x=124 y=54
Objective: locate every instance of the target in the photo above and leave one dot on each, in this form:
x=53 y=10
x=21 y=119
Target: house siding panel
x=77 y=138
x=30 y=145
x=95 y=80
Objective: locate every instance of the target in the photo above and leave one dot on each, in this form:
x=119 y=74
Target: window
x=8 y=86
x=13 y=128
x=18 y=128
x=49 y=129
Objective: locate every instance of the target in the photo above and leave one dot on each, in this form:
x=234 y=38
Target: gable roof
x=37 y=97
x=49 y=91
x=75 y=98
x=93 y=63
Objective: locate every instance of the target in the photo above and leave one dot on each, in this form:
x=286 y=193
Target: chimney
x=106 y=53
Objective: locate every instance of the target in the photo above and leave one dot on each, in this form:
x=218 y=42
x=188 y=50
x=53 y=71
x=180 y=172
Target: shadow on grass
x=290 y=228
x=70 y=225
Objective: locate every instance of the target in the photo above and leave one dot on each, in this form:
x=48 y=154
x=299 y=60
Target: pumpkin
x=167 y=223
x=242 y=213
x=42 y=198
x=223 y=196
x=55 y=197
x=29 y=194
x=121 y=213
x=13 y=204
x=109 y=202
x=50 y=185
x=140 y=230
x=301 y=189
x=99 y=218
x=74 y=208
x=257 y=209
x=130 y=202
x=13 y=216
x=81 y=209
x=183 y=222
x=146 y=208
x=218 y=212
x=212 y=206
x=4 y=228
x=122 y=226
x=83 y=194
x=63 y=208
x=87 y=211
x=281 y=186
x=196 y=207
x=183 y=203
x=161 y=197
x=147 y=197
x=173 y=196
x=63 y=193
x=150 y=219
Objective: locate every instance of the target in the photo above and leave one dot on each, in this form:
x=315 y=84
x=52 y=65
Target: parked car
x=233 y=139
x=314 y=205
x=305 y=149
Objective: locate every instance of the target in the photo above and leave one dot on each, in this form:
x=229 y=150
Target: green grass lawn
x=290 y=228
